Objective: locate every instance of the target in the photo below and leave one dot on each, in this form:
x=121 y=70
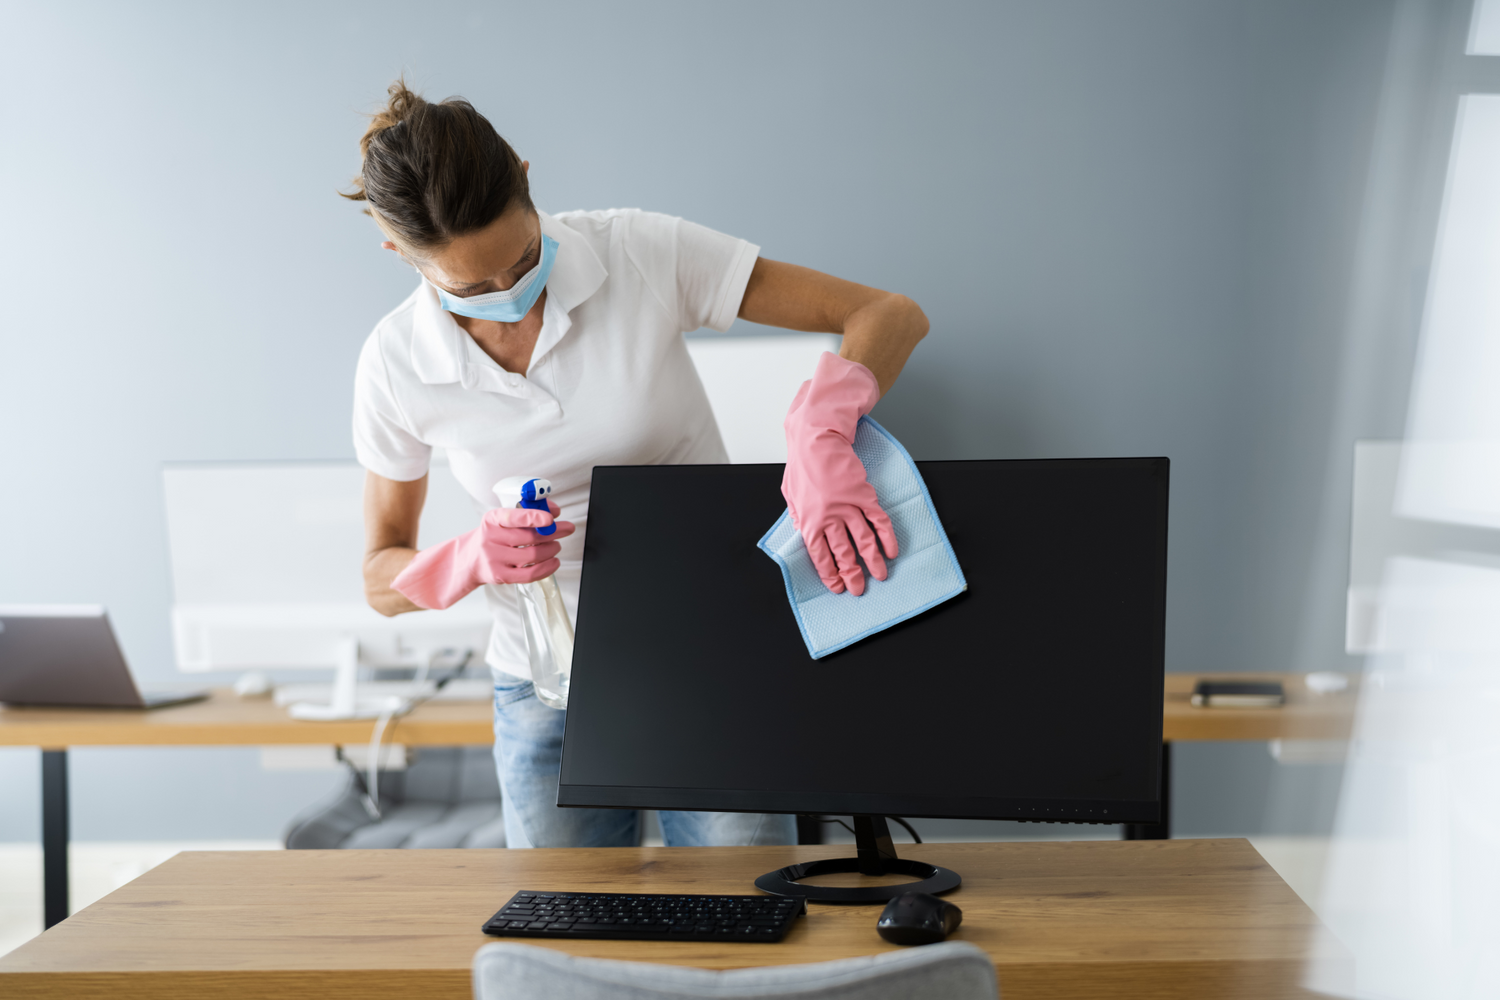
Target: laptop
x=66 y=654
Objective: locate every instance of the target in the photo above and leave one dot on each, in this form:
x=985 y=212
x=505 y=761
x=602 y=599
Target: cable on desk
x=370 y=780
x=915 y=839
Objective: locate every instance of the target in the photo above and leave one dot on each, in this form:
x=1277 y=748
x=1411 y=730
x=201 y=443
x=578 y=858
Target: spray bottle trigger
x=540 y=505
x=531 y=494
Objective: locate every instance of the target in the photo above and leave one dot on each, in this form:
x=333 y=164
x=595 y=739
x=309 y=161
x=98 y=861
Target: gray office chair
x=953 y=970
x=447 y=797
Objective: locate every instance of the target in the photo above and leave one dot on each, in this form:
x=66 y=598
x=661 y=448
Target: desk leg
x=1162 y=830
x=54 y=837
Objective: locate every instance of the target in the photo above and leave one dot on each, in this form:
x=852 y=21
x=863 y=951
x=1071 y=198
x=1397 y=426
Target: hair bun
x=401 y=104
x=447 y=173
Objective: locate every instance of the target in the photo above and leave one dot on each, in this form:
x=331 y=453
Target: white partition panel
x=267 y=563
x=750 y=383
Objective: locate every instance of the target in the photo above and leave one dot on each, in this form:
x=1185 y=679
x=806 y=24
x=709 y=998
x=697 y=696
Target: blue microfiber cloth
x=924 y=575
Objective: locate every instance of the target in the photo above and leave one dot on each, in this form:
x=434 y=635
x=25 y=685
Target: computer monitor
x=1035 y=695
x=267 y=562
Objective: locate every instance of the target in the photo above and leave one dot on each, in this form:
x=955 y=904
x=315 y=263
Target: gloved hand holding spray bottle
x=549 y=631
x=515 y=543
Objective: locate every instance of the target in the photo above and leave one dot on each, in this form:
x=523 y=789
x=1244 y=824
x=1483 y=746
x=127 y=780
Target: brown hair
x=433 y=172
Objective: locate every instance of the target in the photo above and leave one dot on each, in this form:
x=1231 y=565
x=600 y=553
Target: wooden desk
x=223 y=720
x=1165 y=919
x=1305 y=716
x=226 y=720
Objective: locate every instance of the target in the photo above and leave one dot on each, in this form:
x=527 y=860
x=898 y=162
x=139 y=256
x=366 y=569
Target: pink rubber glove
x=825 y=485
x=505 y=548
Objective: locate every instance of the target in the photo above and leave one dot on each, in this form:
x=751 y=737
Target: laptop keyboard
x=646 y=916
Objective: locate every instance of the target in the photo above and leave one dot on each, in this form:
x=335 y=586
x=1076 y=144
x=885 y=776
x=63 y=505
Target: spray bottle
x=549 y=632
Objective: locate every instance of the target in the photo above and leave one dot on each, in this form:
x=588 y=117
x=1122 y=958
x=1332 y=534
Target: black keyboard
x=646 y=916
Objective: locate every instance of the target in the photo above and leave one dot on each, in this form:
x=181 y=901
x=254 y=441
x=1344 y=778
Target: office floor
x=100 y=868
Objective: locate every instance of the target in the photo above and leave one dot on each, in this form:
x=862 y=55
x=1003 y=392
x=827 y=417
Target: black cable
x=915 y=838
x=840 y=822
x=457 y=672
x=359 y=777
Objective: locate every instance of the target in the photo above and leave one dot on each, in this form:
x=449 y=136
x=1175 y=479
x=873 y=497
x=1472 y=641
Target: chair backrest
x=953 y=970
x=447 y=797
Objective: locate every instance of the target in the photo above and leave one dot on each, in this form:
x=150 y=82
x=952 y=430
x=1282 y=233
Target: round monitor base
x=784 y=881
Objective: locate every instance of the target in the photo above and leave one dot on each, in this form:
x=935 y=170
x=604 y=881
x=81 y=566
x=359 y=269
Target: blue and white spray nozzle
x=527 y=492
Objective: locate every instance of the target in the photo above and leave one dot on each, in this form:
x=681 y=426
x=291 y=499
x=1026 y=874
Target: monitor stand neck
x=346 y=703
x=873 y=845
x=875 y=855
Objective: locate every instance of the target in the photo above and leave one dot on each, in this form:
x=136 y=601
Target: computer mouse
x=918 y=918
x=253 y=684
x=1326 y=682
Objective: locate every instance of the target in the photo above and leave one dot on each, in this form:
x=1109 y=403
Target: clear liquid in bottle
x=549 y=640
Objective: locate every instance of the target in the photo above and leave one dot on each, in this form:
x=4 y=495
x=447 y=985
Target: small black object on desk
x=918 y=918
x=1238 y=694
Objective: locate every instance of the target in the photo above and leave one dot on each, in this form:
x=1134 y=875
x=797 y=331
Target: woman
x=542 y=345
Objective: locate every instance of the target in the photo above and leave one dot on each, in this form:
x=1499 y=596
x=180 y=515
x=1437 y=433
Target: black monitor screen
x=1036 y=694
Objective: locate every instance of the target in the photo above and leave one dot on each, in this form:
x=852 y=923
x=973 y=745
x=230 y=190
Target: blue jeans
x=528 y=756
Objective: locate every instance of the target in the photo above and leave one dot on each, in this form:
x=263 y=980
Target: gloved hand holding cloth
x=851 y=492
x=831 y=501
x=505 y=548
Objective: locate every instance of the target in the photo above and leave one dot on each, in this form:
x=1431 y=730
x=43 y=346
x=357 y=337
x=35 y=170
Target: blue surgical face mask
x=511 y=305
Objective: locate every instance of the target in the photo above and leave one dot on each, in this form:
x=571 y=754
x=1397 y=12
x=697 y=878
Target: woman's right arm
x=392 y=512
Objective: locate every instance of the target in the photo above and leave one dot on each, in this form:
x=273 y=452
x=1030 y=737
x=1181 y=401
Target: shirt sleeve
x=383 y=441
x=699 y=273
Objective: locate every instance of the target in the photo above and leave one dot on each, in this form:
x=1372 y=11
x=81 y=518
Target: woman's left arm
x=880 y=329
x=830 y=498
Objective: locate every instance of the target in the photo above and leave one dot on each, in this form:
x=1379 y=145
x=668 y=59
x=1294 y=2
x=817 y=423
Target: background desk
x=1186 y=918
x=1305 y=716
x=226 y=720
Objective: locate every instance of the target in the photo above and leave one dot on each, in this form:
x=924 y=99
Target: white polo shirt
x=610 y=381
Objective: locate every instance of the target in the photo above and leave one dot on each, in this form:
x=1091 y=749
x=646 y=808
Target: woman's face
x=490 y=260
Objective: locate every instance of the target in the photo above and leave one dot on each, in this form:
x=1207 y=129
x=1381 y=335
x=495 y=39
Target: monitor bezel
x=859 y=803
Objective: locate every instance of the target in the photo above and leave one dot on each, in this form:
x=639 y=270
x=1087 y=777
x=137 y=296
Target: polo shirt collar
x=440 y=347
x=577 y=272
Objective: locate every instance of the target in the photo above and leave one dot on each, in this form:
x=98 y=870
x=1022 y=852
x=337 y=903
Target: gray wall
x=1132 y=224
